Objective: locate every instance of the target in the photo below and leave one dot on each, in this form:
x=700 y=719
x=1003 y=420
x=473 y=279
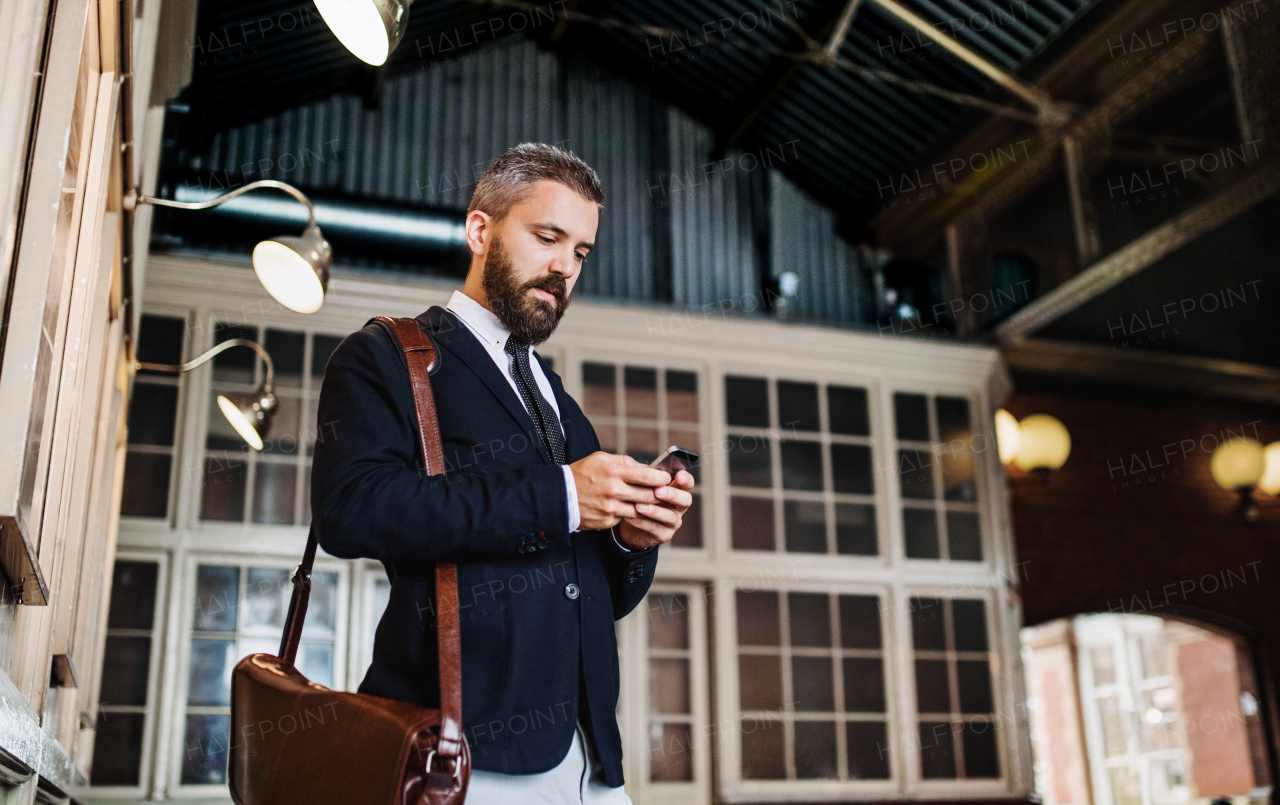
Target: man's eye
x=546 y=239
x=582 y=257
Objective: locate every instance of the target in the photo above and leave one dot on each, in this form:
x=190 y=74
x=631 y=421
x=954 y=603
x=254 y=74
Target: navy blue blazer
x=537 y=604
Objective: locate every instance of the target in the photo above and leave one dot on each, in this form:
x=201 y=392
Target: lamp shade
x=1270 y=482
x=1045 y=443
x=295 y=270
x=250 y=415
x=370 y=29
x=1008 y=435
x=1238 y=464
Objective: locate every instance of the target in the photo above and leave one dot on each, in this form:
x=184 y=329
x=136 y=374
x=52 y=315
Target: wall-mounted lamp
x=1039 y=444
x=250 y=414
x=1243 y=465
x=370 y=29
x=294 y=270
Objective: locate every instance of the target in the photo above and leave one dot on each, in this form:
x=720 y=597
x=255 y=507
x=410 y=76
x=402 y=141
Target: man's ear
x=478 y=231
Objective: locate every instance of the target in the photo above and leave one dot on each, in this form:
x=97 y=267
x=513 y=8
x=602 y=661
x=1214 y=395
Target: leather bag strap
x=420 y=354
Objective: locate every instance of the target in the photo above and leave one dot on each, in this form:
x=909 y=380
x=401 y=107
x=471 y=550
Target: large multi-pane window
x=128 y=673
x=937 y=477
x=239 y=609
x=800 y=467
x=153 y=414
x=272 y=485
x=954 y=703
x=811 y=679
x=640 y=411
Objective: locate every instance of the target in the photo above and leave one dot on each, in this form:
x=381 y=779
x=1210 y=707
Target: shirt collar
x=482 y=321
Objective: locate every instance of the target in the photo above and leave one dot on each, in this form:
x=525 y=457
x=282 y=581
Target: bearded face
x=526 y=314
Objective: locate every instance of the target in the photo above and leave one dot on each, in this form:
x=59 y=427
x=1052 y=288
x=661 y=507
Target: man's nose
x=564 y=265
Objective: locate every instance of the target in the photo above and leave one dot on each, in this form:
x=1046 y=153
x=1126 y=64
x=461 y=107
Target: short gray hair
x=510 y=176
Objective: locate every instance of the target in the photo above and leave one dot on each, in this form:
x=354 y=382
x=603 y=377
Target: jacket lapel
x=449 y=332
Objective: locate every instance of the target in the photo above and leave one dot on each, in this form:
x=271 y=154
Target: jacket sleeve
x=370 y=495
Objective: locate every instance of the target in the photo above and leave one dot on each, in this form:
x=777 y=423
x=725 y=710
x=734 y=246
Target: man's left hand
x=659 y=521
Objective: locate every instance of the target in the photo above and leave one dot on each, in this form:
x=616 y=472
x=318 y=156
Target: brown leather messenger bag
x=294 y=742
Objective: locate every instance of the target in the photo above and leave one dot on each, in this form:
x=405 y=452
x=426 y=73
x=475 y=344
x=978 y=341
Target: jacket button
x=571 y=591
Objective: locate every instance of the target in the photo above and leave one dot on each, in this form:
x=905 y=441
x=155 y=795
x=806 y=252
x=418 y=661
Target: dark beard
x=527 y=317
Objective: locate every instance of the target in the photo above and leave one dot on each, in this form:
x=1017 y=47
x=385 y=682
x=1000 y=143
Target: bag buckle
x=431 y=756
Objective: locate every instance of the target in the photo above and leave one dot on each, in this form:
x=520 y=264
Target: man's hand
x=658 y=522
x=611 y=486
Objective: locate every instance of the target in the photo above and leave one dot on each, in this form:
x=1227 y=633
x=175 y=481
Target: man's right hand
x=610 y=485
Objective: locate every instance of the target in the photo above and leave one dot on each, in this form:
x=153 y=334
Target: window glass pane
x=758 y=619
x=682 y=396
x=851 y=468
x=266 y=599
x=920 y=528
x=859 y=621
x=274 y=488
x=670 y=756
x=1104 y=665
x=801 y=465
x=953 y=418
x=933 y=691
x=797 y=406
x=974 y=677
x=204 y=749
x=957 y=474
x=322 y=608
x=763 y=755
x=160 y=341
x=911 y=413
x=210 y=678
x=599 y=392
x=915 y=473
x=152 y=410
x=689 y=535
x=816 y=750
x=847 y=410
x=217 y=598
x=964 y=541
x=856 y=529
x=608 y=436
x=760 y=681
x=863 y=685
x=322 y=346
x=146 y=485
x=752 y=521
x=117 y=749
x=805 y=524
x=642 y=392
x=286 y=348
x=970 y=624
x=224 y=489
x=980 y=757
x=282 y=438
x=927 y=625
x=236 y=364
x=868 y=748
x=814 y=684
x=125 y=664
x=749 y=463
x=642 y=444
x=937 y=751
x=133 y=595
x=669 y=685
x=668 y=620
x=746 y=401
x=315 y=661
x=810 y=619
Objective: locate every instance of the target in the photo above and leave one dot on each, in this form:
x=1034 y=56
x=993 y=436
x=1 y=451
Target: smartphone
x=674 y=459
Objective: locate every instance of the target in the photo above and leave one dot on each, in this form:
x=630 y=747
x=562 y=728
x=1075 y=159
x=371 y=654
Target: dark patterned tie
x=544 y=416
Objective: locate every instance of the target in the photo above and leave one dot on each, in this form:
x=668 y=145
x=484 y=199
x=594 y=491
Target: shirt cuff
x=571 y=494
x=613 y=532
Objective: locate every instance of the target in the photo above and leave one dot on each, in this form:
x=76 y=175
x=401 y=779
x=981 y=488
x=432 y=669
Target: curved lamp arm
x=239 y=191
x=208 y=356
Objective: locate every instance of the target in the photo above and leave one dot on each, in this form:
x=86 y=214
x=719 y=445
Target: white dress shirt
x=493 y=334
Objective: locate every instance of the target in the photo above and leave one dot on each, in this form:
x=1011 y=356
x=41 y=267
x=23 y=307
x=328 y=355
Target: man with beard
x=554 y=539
